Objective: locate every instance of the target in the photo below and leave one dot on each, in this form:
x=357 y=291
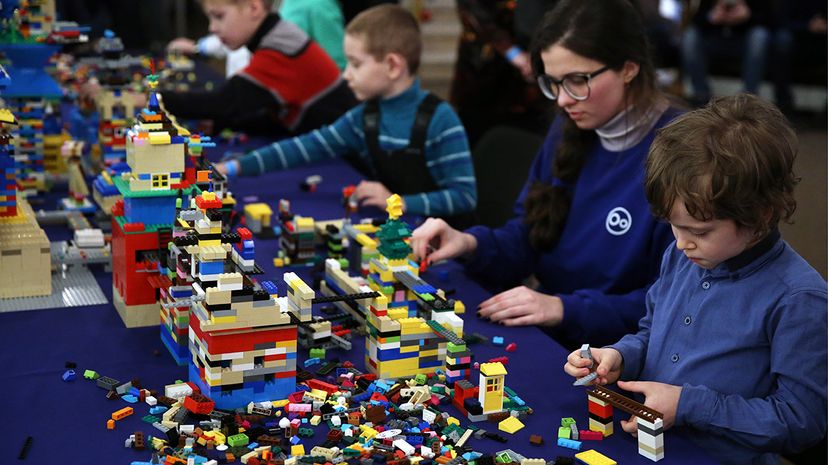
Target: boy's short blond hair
x=732 y=159
x=389 y=29
x=268 y=4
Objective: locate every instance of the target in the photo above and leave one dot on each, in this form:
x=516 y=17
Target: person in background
x=799 y=25
x=290 y=86
x=407 y=140
x=734 y=347
x=493 y=83
x=321 y=19
x=582 y=224
x=726 y=30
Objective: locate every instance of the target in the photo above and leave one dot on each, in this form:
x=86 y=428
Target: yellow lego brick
x=304 y=222
x=593 y=457
x=298 y=450
x=459 y=307
x=492 y=369
x=510 y=425
x=365 y=241
x=606 y=430
x=367 y=432
x=159 y=138
x=398 y=313
x=279 y=403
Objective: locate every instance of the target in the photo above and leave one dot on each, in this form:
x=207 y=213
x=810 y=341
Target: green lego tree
x=393 y=233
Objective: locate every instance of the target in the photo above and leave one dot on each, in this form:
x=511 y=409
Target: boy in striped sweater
x=409 y=141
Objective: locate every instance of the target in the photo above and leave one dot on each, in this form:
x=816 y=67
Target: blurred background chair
x=502 y=158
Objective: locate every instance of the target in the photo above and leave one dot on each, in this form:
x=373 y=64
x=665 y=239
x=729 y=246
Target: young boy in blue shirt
x=411 y=143
x=733 y=347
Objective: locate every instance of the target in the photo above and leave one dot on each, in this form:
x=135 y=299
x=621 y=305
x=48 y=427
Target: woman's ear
x=630 y=71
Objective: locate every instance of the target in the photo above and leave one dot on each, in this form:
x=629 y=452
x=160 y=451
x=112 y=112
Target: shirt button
x=674 y=358
x=705 y=285
x=687 y=320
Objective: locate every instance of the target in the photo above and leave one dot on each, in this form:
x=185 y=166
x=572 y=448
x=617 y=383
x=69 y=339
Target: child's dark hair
x=389 y=29
x=607 y=31
x=732 y=159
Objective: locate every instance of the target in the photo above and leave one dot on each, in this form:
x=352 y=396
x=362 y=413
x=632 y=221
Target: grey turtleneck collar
x=629 y=127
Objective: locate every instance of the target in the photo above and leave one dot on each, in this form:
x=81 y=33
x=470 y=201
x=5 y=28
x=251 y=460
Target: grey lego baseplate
x=73 y=287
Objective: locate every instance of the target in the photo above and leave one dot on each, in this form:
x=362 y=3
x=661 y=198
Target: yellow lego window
x=493 y=385
x=161 y=181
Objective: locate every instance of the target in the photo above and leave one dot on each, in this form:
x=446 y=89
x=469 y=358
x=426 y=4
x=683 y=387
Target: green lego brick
x=238 y=440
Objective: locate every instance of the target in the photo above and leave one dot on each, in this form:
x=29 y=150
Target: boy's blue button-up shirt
x=748 y=343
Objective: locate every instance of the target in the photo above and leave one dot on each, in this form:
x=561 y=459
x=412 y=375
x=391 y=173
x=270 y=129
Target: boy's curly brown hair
x=732 y=159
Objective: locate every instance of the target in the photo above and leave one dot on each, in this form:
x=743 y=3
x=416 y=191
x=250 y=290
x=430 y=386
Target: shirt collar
x=748 y=256
x=630 y=126
x=405 y=97
x=269 y=22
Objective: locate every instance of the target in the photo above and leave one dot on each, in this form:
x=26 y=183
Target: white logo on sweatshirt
x=618 y=221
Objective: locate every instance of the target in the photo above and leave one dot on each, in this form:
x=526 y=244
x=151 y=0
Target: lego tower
x=156 y=148
x=242 y=337
x=25 y=256
x=399 y=342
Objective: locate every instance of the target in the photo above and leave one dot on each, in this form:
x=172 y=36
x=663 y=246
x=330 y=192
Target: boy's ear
x=397 y=65
x=257 y=7
x=630 y=71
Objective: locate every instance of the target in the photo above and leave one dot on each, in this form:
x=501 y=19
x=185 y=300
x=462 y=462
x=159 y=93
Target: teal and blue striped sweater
x=446 y=151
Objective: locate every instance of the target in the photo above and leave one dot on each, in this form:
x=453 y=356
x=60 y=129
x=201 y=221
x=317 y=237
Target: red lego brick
x=118 y=208
x=601 y=412
x=133 y=227
x=590 y=435
x=244 y=234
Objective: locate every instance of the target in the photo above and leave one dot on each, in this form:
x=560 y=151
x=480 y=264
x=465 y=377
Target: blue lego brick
x=270 y=287
x=158 y=409
x=32 y=83
x=254 y=392
x=211 y=267
x=181 y=292
x=150 y=210
x=104 y=188
x=569 y=443
x=144 y=176
x=181 y=354
x=424 y=289
x=430 y=364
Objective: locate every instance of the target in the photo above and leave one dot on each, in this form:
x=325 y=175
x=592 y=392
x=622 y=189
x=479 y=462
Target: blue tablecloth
x=67 y=420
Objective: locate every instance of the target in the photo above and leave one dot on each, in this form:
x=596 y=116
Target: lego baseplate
x=74 y=287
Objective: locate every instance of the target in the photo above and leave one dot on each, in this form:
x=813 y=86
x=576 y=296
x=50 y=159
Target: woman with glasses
x=582 y=224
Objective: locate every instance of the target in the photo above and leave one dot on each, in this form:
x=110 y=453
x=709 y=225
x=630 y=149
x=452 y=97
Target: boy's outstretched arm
x=236 y=104
x=332 y=141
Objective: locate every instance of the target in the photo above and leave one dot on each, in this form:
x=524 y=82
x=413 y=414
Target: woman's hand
x=522 y=306
x=435 y=240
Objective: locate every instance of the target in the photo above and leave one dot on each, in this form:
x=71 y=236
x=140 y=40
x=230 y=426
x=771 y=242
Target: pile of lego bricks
x=369 y=421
